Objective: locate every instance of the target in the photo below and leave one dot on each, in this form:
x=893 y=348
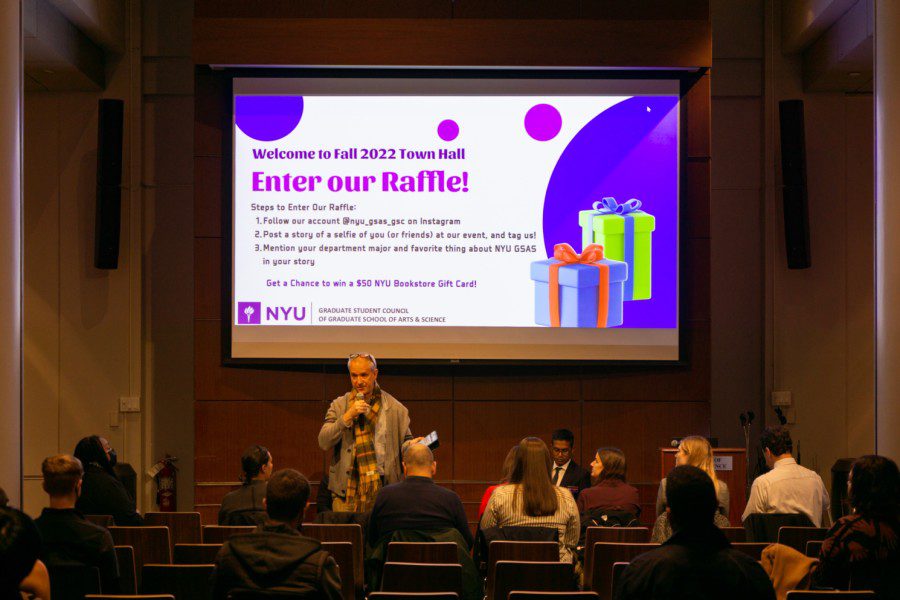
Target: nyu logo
x=250 y=313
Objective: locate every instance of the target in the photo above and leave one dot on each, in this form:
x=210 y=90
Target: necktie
x=556 y=472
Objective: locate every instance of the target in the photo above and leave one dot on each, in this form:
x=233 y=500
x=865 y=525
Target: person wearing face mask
x=101 y=491
x=367 y=430
x=245 y=506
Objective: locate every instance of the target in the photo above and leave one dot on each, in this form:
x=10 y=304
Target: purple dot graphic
x=448 y=130
x=543 y=122
x=267 y=118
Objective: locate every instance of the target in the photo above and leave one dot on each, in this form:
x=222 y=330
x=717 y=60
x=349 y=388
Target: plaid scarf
x=365 y=480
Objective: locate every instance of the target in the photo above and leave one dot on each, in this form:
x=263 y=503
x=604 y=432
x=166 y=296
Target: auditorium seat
x=423 y=552
x=195 y=554
x=764 y=527
x=340 y=533
x=218 y=534
x=617 y=569
x=185 y=582
x=553 y=596
x=829 y=595
x=418 y=577
x=735 y=534
x=814 y=548
x=151 y=545
x=127 y=577
x=184 y=527
x=73 y=581
x=129 y=597
x=751 y=549
x=413 y=596
x=796 y=537
x=598 y=574
x=242 y=594
x=631 y=535
x=101 y=520
x=521 y=576
x=342 y=552
x=517 y=551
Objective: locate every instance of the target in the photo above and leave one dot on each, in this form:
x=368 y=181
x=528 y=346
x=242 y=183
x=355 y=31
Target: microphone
x=361 y=419
x=743 y=420
x=750 y=417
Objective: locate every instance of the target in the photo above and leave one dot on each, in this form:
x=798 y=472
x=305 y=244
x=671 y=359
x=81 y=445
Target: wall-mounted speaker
x=793 y=174
x=109 y=184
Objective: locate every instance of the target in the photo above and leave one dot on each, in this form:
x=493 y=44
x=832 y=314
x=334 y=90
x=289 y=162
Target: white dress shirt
x=789 y=488
x=557 y=479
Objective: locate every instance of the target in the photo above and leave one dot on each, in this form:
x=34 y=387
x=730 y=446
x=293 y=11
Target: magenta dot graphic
x=448 y=130
x=267 y=118
x=543 y=122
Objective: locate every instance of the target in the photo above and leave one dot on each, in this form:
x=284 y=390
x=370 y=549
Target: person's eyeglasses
x=561 y=450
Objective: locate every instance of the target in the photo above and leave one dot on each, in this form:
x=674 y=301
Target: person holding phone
x=366 y=429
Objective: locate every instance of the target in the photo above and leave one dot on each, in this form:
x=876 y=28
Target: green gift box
x=625 y=233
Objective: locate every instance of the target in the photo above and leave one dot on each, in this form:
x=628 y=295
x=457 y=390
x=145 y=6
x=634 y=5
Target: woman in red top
x=609 y=492
x=504 y=479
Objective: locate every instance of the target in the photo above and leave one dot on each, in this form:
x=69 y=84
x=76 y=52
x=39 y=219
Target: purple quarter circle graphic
x=630 y=150
x=267 y=118
x=448 y=130
x=543 y=122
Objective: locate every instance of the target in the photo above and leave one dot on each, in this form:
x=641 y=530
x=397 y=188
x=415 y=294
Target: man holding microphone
x=367 y=430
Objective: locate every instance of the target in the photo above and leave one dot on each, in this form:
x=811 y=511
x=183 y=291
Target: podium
x=731 y=467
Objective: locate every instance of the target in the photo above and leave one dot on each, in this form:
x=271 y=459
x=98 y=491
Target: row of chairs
x=515 y=595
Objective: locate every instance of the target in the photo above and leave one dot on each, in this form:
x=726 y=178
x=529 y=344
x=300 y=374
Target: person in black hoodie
x=276 y=556
x=244 y=506
x=101 y=491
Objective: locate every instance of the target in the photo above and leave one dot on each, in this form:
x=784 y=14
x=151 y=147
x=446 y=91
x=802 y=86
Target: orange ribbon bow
x=590 y=256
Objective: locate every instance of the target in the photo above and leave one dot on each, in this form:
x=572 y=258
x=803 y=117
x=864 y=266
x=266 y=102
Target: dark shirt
x=696 y=564
x=104 y=494
x=417 y=503
x=244 y=506
x=69 y=538
x=324 y=499
x=275 y=557
x=610 y=494
x=861 y=553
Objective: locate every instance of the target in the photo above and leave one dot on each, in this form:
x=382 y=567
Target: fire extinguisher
x=165 y=475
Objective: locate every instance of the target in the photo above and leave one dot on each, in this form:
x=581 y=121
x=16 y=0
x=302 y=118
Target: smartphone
x=431 y=440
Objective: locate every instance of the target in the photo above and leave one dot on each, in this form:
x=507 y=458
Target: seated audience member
x=610 y=492
x=68 y=537
x=696 y=451
x=788 y=487
x=531 y=500
x=697 y=562
x=324 y=501
x=862 y=550
x=21 y=569
x=417 y=502
x=101 y=491
x=244 y=506
x=504 y=479
x=566 y=472
x=276 y=557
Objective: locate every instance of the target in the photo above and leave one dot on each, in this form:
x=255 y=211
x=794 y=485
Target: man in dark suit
x=566 y=472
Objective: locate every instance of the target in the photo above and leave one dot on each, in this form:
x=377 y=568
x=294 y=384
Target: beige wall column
x=887 y=220
x=10 y=250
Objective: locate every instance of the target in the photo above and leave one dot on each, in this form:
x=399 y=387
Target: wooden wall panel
x=479 y=411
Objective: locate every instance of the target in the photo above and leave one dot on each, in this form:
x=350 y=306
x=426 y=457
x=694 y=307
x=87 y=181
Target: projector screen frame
x=226 y=74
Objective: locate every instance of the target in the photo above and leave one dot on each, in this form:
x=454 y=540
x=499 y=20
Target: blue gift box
x=579 y=295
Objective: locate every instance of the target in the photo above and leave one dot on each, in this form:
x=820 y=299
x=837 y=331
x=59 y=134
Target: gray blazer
x=392 y=435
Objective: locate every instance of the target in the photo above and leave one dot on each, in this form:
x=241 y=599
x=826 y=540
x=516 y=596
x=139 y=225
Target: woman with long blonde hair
x=696 y=451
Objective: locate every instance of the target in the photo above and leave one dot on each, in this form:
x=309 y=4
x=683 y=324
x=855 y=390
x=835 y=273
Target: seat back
x=617 y=569
x=517 y=551
x=734 y=534
x=423 y=552
x=829 y=595
x=413 y=596
x=129 y=597
x=73 y=581
x=796 y=537
x=553 y=596
x=184 y=527
x=219 y=534
x=195 y=554
x=340 y=533
x=185 y=582
x=605 y=555
x=151 y=545
x=631 y=535
x=342 y=552
x=245 y=594
x=751 y=549
x=813 y=548
x=525 y=576
x=101 y=520
x=764 y=527
x=127 y=575
x=418 y=577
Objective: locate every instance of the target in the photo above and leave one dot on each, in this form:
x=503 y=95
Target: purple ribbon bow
x=610 y=206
